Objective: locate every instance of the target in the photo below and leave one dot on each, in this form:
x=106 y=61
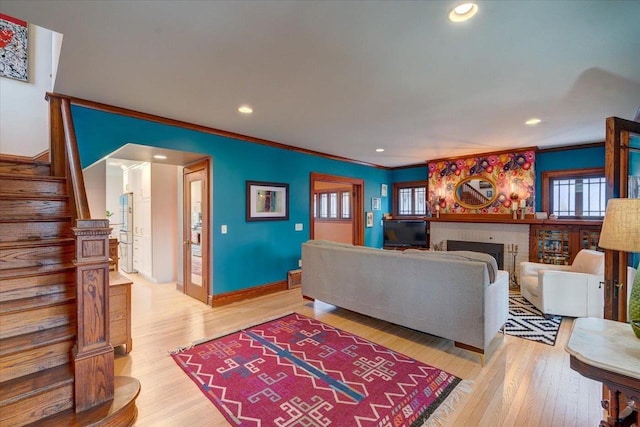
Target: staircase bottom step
x=121 y=411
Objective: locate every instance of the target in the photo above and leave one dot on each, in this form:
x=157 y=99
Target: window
x=346 y=204
x=577 y=193
x=332 y=205
x=410 y=198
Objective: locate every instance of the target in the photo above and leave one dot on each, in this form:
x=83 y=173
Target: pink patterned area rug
x=296 y=370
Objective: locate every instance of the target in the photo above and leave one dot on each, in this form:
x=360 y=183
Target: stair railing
x=93 y=358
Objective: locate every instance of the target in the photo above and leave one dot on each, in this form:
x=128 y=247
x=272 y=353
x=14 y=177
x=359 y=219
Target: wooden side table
x=609 y=352
x=120 y=311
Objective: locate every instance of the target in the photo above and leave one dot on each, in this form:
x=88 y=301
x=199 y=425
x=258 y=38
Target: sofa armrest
x=528 y=268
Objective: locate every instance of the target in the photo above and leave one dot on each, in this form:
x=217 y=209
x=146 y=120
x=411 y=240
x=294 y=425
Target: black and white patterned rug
x=526 y=321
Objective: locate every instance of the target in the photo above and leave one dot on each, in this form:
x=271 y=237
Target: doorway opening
x=337 y=208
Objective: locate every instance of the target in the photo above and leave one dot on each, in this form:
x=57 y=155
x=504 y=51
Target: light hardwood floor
x=522 y=384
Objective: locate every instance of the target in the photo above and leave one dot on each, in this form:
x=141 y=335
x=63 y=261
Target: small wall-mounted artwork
x=383 y=190
x=267 y=201
x=376 y=203
x=14 y=58
x=369 y=222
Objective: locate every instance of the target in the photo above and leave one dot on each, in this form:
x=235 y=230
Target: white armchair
x=573 y=290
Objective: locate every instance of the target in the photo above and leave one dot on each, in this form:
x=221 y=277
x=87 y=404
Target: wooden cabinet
x=559 y=244
x=120 y=311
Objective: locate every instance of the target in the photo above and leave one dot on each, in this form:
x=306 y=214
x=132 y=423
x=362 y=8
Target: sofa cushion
x=321 y=242
x=492 y=265
x=589 y=262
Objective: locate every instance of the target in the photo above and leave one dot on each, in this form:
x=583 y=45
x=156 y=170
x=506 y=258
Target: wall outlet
x=299 y=263
x=298 y=227
x=223 y=229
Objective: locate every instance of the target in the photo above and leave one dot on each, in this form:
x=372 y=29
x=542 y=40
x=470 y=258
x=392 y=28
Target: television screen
x=400 y=233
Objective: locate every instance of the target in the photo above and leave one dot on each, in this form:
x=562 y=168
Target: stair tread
x=36 y=243
x=27 y=196
x=26 y=177
x=22 y=160
x=37 y=339
x=34 y=303
x=33 y=384
x=10 y=273
x=126 y=390
x=34 y=218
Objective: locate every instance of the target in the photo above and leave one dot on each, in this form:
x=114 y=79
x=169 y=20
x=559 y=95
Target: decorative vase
x=634 y=305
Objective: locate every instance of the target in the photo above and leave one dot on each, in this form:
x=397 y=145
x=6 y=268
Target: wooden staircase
x=39 y=311
x=37 y=294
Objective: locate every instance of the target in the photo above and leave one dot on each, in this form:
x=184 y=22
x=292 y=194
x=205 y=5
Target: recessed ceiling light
x=245 y=109
x=532 y=122
x=379 y=150
x=463 y=12
x=160 y=157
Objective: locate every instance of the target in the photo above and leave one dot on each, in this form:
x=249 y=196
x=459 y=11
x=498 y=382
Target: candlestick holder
x=513 y=279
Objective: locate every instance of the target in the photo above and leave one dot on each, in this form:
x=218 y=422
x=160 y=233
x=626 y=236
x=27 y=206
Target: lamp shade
x=621 y=226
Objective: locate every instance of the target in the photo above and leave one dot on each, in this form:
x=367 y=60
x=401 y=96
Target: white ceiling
x=347 y=77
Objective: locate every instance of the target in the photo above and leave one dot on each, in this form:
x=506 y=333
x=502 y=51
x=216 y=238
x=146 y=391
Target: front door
x=196 y=230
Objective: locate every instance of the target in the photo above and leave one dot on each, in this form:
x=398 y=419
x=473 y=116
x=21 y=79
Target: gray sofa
x=447 y=294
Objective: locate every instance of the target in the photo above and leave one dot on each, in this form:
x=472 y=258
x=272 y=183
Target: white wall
x=112 y=195
x=95 y=184
x=24 y=113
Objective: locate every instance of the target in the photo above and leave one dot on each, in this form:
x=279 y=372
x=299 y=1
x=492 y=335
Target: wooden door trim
x=197 y=166
x=616 y=170
x=358 y=203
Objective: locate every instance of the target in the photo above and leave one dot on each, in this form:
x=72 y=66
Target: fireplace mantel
x=508 y=219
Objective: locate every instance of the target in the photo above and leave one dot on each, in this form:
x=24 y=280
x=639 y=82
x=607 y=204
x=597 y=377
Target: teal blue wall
x=634 y=156
x=408 y=174
x=579 y=158
x=251 y=253
x=414 y=173
x=634 y=169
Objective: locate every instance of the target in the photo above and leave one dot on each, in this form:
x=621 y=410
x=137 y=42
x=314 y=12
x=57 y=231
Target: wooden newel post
x=93 y=353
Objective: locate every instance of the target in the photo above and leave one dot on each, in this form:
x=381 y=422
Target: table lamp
x=621 y=232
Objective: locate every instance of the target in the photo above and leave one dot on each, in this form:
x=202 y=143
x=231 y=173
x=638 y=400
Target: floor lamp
x=621 y=232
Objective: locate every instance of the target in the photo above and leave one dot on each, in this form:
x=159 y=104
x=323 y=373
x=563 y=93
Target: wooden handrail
x=73 y=158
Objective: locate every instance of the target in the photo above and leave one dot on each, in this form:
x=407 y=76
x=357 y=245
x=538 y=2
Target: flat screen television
x=405 y=233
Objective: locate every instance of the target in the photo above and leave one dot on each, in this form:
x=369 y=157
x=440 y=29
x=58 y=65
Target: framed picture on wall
x=369 y=222
x=383 y=190
x=267 y=201
x=14 y=61
x=375 y=203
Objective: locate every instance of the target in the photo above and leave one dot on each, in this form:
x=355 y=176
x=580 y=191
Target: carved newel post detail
x=93 y=353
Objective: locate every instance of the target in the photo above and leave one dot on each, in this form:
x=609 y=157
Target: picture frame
x=376 y=203
x=383 y=190
x=267 y=201
x=489 y=193
x=15 y=56
x=369 y=219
